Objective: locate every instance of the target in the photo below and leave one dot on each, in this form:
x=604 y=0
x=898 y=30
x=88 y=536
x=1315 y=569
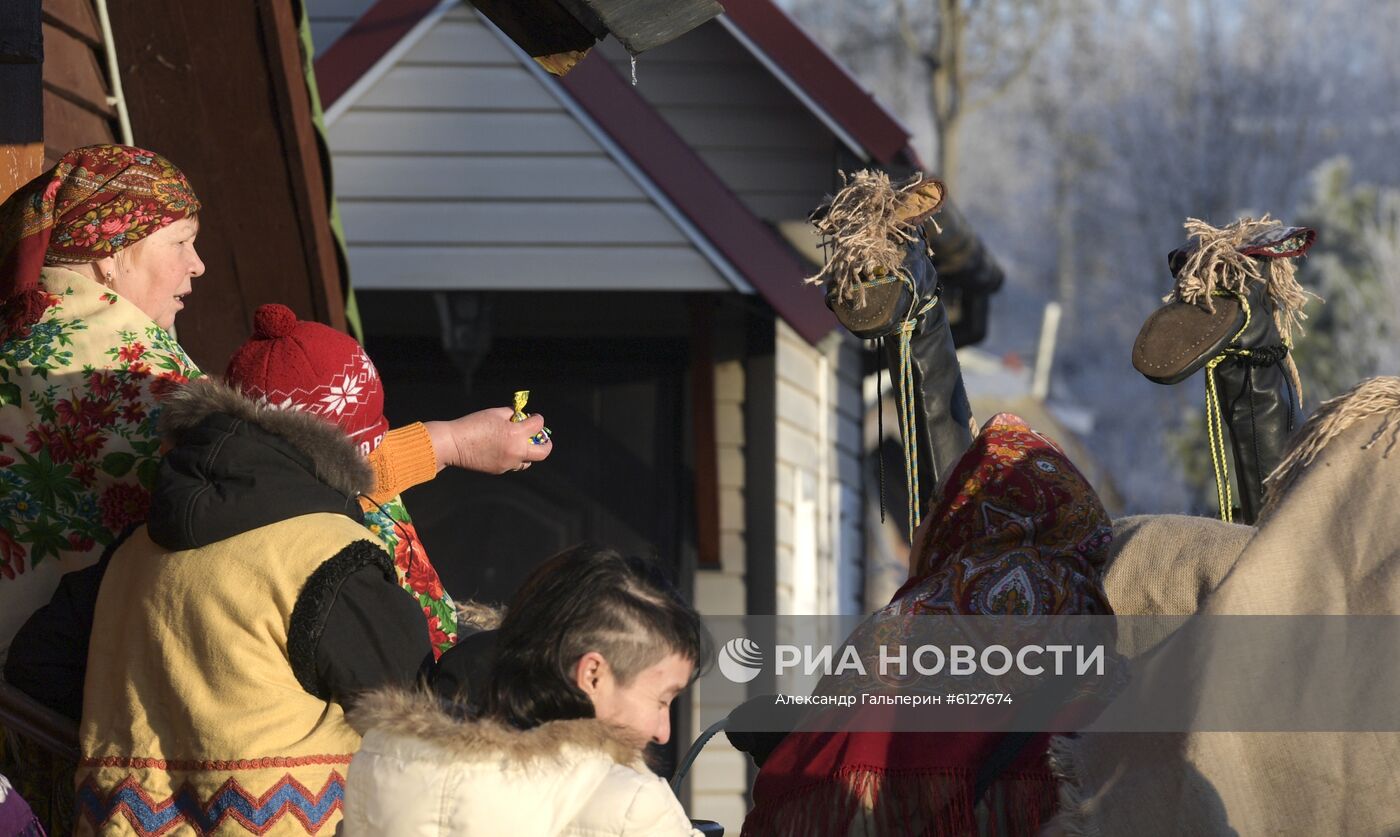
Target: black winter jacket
x=238 y=466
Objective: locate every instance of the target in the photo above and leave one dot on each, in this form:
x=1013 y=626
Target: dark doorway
x=610 y=373
x=619 y=475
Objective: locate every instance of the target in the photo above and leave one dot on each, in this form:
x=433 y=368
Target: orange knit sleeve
x=404 y=459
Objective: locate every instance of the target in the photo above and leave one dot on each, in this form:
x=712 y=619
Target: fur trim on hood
x=335 y=459
x=480 y=615
x=419 y=715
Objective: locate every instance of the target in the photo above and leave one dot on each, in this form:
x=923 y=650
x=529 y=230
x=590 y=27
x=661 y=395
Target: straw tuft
x=866 y=226
x=1378 y=396
x=1216 y=264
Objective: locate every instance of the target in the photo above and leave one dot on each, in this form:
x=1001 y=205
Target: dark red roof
x=363 y=44
x=823 y=79
x=750 y=245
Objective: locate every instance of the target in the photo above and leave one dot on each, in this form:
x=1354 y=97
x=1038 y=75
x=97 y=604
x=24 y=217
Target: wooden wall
x=76 y=88
x=219 y=89
x=46 y=111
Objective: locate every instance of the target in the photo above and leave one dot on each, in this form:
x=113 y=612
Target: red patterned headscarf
x=96 y=201
x=1016 y=530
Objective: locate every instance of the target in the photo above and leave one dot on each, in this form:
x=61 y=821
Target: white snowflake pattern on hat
x=341 y=398
x=343 y=392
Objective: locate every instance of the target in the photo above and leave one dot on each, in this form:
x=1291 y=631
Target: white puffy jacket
x=423 y=773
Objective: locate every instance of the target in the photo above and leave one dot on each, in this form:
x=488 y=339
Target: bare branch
x=1023 y=63
x=906 y=31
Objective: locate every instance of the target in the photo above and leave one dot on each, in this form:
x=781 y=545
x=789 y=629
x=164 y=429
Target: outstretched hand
x=488 y=441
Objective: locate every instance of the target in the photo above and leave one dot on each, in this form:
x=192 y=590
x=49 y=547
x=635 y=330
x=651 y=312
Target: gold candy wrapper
x=522 y=396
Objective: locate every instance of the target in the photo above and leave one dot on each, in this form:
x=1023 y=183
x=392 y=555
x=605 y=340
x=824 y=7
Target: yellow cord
x=1215 y=420
x=907 y=422
x=908 y=425
x=1215 y=438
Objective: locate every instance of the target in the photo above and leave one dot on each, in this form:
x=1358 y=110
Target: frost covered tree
x=957 y=56
x=1355 y=267
x=1131 y=116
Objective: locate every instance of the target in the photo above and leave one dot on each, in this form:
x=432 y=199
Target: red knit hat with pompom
x=311 y=367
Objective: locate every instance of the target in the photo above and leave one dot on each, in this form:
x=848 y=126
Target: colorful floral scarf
x=79 y=441
x=1016 y=530
x=390 y=521
x=96 y=201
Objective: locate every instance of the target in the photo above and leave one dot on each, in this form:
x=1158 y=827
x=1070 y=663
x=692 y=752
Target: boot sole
x=1180 y=338
x=885 y=307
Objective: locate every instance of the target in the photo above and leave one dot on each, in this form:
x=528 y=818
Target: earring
x=108 y=279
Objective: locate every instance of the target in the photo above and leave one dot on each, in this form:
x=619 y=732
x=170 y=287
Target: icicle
x=634 y=71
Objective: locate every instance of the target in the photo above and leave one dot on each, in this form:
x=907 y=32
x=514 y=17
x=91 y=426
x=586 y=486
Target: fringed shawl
x=1017 y=531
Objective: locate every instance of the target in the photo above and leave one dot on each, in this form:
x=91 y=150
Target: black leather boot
x=942 y=414
x=1258 y=402
x=1251 y=388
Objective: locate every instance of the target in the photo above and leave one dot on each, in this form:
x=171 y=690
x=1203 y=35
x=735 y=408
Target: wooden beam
x=21 y=125
x=71 y=72
x=760 y=463
x=704 y=435
x=283 y=44
x=25 y=716
x=75 y=84
x=21 y=41
x=19 y=163
x=69 y=125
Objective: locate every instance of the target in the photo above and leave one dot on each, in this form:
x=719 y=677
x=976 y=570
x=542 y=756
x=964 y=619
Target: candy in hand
x=521 y=397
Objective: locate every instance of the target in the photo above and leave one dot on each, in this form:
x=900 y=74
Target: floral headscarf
x=98 y=200
x=1016 y=531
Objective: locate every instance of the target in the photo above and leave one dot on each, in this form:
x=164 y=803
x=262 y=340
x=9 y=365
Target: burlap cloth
x=1330 y=544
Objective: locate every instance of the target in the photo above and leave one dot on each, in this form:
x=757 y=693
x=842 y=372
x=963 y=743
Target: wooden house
x=633 y=254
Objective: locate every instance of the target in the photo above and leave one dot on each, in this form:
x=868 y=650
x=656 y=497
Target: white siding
x=458 y=167
x=759 y=138
x=718 y=782
x=820 y=486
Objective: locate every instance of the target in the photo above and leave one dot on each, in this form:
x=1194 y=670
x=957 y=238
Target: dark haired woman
x=592 y=651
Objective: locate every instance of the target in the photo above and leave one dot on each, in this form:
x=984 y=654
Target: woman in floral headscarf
x=1015 y=531
x=96 y=257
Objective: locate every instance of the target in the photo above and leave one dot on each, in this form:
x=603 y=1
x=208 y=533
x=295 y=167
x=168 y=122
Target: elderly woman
x=96 y=258
x=98 y=255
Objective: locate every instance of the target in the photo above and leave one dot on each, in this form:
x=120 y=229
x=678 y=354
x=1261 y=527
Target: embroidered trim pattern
x=231 y=801
x=139 y=762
